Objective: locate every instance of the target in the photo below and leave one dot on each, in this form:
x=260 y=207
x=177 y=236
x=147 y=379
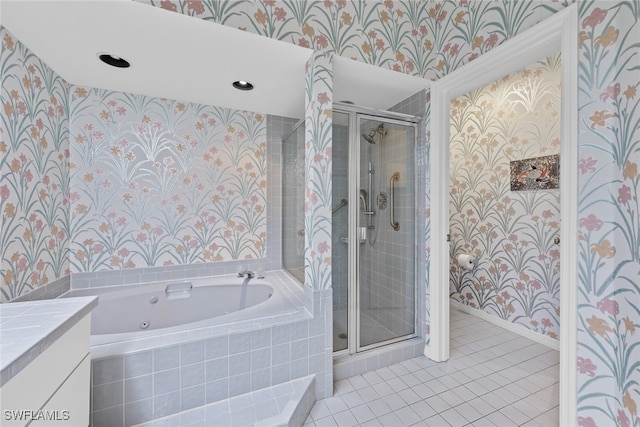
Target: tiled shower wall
x=414 y=105
x=387 y=259
x=388 y=266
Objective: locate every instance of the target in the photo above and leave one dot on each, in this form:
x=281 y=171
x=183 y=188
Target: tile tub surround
x=49 y=291
x=29 y=328
x=286 y=404
x=142 y=380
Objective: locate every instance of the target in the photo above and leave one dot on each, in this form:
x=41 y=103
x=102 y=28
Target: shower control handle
x=362 y=236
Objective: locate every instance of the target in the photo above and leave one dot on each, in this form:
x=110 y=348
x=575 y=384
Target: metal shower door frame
x=356 y=115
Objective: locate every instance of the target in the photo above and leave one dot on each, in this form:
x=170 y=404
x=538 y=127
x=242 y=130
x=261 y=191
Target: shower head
x=369 y=137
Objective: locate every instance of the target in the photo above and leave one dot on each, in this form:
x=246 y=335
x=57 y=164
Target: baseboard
x=518 y=329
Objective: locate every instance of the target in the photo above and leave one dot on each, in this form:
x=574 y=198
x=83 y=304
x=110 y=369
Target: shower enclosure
x=374 y=236
x=373 y=225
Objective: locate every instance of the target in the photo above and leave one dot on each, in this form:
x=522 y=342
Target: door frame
x=558 y=33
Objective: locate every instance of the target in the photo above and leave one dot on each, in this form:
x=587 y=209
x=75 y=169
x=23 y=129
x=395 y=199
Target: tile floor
x=493 y=378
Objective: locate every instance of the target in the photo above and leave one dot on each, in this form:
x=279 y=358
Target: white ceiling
x=184 y=58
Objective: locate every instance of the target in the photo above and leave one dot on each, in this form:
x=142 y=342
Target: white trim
x=439 y=274
x=569 y=220
x=556 y=33
x=510 y=326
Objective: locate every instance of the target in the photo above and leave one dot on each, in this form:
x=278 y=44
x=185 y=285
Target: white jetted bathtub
x=203 y=340
x=165 y=308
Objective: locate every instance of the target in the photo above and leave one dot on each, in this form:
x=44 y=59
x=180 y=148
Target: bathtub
x=143 y=374
x=179 y=307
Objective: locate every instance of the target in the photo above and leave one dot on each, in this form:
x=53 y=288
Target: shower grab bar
x=342 y=204
x=394 y=224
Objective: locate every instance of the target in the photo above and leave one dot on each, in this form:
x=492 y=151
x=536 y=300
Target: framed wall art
x=536 y=173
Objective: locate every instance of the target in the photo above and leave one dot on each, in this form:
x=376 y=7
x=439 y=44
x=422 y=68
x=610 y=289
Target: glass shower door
x=340 y=231
x=386 y=291
x=373 y=231
x=293 y=202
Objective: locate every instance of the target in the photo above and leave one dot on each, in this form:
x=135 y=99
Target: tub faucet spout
x=246 y=273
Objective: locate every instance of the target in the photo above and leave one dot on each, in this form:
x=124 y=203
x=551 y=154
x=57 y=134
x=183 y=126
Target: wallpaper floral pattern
x=421 y=38
x=318 y=151
x=417 y=37
x=431 y=39
x=34 y=188
x=609 y=225
x=163 y=182
x=511 y=233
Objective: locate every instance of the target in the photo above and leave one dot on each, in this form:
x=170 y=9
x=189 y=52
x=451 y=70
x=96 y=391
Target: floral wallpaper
x=609 y=224
x=318 y=148
x=509 y=232
x=162 y=182
x=421 y=38
x=34 y=188
x=430 y=39
x=418 y=37
x=433 y=38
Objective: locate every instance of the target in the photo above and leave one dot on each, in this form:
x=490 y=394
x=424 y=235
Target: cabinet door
x=69 y=406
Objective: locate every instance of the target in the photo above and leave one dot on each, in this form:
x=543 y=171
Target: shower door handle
x=394 y=224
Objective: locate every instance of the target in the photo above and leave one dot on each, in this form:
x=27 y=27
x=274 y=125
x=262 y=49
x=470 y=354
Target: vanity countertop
x=28 y=328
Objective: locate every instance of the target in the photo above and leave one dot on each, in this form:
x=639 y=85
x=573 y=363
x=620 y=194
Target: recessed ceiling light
x=242 y=85
x=114 y=61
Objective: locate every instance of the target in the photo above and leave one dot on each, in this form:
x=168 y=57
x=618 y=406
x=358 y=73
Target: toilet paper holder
x=467 y=262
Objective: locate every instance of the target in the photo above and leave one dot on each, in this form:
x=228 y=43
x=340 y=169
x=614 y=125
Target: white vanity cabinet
x=53 y=387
